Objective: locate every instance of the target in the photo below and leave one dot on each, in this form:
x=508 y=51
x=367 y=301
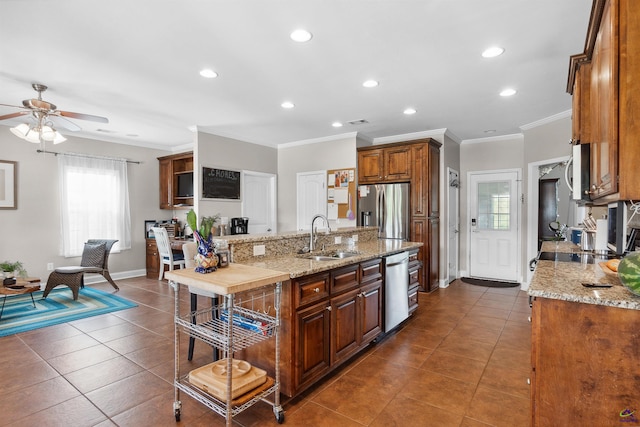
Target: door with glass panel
x=494 y=248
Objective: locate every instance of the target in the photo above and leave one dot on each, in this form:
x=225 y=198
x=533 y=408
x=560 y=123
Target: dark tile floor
x=462 y=360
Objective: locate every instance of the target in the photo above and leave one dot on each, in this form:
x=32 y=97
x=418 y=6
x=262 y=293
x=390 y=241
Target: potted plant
x=10 y=269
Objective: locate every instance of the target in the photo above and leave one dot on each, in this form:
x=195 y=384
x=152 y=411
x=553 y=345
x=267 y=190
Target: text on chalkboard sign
x=220 y=183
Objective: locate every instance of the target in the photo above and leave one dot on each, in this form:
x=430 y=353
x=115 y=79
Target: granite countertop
x=297 y=266
x=563 y=280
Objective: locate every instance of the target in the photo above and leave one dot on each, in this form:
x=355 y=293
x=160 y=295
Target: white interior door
x=454 y=223
x=311 y=197
x=494 y=248
x=259 y=202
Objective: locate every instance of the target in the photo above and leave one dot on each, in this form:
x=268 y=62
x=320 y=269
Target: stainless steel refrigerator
x=385 y=206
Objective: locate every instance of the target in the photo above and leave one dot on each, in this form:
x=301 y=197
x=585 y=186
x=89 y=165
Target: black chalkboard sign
x=220 y=184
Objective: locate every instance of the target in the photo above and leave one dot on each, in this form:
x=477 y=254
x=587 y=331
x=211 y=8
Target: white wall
x=31 y=234
x=294 y=158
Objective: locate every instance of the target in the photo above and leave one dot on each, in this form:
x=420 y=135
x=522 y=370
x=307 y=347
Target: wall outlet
x=337 y=240
x=258 y=250
x=49 y=266
x=355 y=237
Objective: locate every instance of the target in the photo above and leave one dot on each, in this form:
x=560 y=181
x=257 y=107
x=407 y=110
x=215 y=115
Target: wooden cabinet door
x=419 y=180
x=419 y=234
x=312 y=342
x=166 y=184
x=371 y=301
x=434 y=180
x=604 y=105
x=344 y=321
x=153 y=259
x=580 y=119
x=397 y=163
x=370 y=166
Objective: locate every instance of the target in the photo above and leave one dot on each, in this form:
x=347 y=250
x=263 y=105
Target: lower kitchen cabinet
x=313 y=342
x=584 y=360
x=326 y=318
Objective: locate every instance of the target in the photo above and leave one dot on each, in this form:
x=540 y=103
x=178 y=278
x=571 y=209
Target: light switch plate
x=355 y=237
x=258 y=250
x=337 y=240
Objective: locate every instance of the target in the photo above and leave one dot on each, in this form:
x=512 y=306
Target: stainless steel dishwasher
x=396 y=287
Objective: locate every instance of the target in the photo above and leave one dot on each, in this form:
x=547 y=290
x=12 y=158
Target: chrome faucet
x=312 y=236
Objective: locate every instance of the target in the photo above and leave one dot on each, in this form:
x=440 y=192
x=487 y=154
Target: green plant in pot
x=10 y=269
x=206 y=259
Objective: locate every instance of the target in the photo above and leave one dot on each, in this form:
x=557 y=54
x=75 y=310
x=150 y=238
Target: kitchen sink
x=331 y=256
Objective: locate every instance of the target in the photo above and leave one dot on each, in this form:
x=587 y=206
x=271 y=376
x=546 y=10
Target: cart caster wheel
x=177 y=416
x=280 y=417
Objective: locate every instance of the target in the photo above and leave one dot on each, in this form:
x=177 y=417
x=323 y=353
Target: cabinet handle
x=529 y=319
x=329 y=308
x=316 y=290
x=529 y=381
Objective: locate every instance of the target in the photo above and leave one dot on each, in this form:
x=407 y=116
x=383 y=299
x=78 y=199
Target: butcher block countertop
x=229 y=280
x=562 y=280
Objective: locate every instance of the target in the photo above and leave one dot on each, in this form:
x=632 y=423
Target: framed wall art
x=8 y=184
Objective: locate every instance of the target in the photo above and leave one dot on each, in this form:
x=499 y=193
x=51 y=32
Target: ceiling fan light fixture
x=48 y=133
x=20 y=131
x=58 y=138
x=33 y=136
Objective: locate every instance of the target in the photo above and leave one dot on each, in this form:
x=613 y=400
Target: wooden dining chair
x=167 y=257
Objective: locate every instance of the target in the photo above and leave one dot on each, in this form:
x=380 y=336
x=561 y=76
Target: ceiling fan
x=45 y=113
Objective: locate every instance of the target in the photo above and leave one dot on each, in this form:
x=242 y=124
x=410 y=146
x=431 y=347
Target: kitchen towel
x=601 y=235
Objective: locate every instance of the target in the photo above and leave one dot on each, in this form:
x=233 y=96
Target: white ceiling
x=137 y=63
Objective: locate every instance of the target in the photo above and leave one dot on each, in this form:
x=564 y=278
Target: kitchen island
x=585 y=342
x=331 y=308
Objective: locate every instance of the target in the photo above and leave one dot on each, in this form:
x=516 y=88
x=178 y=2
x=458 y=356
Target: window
x=94 y=202
x=493 y=206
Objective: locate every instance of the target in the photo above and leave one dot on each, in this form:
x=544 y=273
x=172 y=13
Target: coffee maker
x=239 y=225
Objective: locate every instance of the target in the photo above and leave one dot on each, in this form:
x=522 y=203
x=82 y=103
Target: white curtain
x=94 y=202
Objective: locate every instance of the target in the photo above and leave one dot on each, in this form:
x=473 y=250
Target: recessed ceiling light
x=508 y=92
x=409 y=111
x=208 y=73
x=370 y=83
x=336 y=124
x=300 y=36
x=287 y=104
x=492 y=52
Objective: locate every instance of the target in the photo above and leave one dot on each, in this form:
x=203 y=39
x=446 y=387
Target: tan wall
x=335 y=154
x=31 y=234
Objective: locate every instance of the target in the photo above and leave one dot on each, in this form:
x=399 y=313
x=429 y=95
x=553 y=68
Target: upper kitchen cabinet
x=176 y=181
x=378 y=165
x=605 y=81
x=580 y=120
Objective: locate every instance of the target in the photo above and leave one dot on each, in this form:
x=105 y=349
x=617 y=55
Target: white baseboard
x=90 y=279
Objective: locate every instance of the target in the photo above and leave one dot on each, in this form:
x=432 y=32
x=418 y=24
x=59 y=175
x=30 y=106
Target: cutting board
x=212 y=378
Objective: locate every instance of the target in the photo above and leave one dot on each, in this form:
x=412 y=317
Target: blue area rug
x=59 y=307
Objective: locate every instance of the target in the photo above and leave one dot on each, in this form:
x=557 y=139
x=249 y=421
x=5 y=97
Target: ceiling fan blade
x=64 y=123
x=83 y=116
x=12 y=106
x=38 y=103
x=12 y=115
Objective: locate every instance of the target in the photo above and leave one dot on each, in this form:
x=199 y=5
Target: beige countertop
x=563 y=280
x=297 y=266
